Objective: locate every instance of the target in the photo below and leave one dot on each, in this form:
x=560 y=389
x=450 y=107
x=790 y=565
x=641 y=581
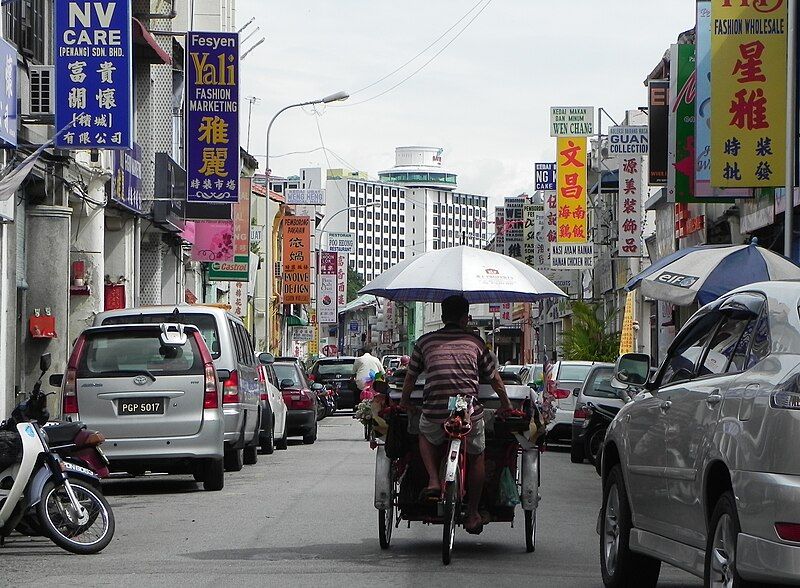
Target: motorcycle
x=44 y=493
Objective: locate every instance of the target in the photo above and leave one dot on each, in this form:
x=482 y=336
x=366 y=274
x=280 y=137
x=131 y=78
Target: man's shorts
x=434 y=432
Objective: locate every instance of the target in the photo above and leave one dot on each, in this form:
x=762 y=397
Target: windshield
x=336 y=368
x=573 y=373
x=123 y=353
x=285 y=371
x=205 y=323
x=598 y=384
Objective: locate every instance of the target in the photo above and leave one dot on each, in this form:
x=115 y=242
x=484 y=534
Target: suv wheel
x=268 y=438
x=309 y=439
x=234 y=460
x=621 y=567
x=576 y=454
x=283 y=442
x=721 y=545
x=250 y=454
x=214 y=475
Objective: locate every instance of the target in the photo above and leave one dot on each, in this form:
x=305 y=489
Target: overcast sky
x=485 y=99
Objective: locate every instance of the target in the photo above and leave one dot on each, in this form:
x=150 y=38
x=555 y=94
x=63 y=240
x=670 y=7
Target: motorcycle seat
x=63 y=433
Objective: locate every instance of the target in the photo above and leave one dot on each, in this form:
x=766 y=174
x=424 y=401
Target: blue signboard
x=212 y=117
x=545 y=176
x=8 y=95
x=94 y=74
x=126 y=185
x=354 y=327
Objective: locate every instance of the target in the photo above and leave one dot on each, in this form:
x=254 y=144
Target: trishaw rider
x=454 y=361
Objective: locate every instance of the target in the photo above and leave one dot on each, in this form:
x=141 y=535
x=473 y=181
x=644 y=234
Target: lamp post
x=337 y=97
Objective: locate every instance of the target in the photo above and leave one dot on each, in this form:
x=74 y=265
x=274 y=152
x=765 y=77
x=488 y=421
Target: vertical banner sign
x=8 y=95
x=93 y=63
x=551 y=212
x=505 y=317
x=341 y=279
x=658 y=111
x=541 y=255
x=239 y=269
x=327 y=301
x=529 y=233
x=683 y=90
x=748 y=97
x=500 y=229
x=514 y=227
x=629 y=215
x=296 y=260
x=212 y=117
x=572 y=199
x=239 y=299
x=545 y=176
x=126 y=183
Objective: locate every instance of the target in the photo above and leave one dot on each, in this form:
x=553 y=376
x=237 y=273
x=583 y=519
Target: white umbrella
x=476 y=274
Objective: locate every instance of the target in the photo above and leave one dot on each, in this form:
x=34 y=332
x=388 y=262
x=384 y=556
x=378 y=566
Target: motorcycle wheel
x=87 y=535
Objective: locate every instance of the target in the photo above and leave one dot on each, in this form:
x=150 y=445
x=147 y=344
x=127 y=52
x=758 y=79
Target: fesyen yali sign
x=212 y=117
x=93 y=74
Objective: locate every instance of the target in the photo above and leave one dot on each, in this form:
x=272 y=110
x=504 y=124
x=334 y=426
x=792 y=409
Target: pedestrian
x=366 y=366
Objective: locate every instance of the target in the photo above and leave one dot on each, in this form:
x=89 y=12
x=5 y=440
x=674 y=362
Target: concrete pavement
x=304 y=517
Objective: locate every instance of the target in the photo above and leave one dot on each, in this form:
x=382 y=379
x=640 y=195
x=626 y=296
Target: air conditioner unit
x=42 y=96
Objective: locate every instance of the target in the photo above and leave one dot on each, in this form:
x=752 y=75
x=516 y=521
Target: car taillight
x=561 y=394
x=69 y=391
x=230 y=389
x=788 y=531
x=581 y=413
x=211 y=394
x=298 y=400
x=312 y=378
x=787 y=394
x=264 y=396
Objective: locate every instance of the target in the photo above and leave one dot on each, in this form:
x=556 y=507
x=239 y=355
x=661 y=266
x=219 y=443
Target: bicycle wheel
x=386 y=516
x=530 y=531
x=84 y=535
x=451 y=504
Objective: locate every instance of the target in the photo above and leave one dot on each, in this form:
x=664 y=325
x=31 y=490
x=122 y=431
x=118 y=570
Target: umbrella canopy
x=706 y=272
x=476 y=274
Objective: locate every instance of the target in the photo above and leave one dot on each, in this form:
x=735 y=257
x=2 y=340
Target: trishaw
x=512 y=452
x=512 y=459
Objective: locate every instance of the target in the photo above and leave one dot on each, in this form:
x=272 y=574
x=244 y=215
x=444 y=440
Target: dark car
x=598 y=392
x=300 y=399
x=339 y=373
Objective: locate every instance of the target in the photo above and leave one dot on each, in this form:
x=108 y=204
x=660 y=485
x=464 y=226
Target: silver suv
x=231 y=348
x=152 y=390
x=700 y=469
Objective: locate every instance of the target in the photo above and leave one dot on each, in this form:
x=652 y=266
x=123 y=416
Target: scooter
x=46 y=492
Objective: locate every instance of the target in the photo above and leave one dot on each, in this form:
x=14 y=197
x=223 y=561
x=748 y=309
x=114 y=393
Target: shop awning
x=295 y=321
x=145 y=47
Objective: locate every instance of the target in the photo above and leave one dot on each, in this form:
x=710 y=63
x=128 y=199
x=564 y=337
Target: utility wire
x=420 y=68
x=418 y=55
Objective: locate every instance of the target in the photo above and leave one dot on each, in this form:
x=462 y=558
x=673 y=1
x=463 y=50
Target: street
x=304 y=517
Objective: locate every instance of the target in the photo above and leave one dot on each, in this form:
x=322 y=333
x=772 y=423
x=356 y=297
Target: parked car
x=598 y=392
x=699 y=470
x=338 y=372
x=153 y=391
x=514 y=374
x=273 y=433
x=230 y=346
x=569 y=376
x=301 y=401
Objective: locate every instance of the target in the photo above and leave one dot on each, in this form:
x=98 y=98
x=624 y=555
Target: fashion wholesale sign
x=93 y=74
x=514 y=232
x=573 y=222
x=327 y=301
x=212 y=117
x=748 y=93
x=629 y=214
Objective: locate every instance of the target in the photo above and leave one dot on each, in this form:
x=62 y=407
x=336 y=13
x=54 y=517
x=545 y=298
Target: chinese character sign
x=545 y=176
x=505 y=316
x=296 y=260
x=94 y=74
x=572 y=215
x=8 y=94
x=327 y=300
x=500 y=229
x=629 y=213
x=212 y=117
x=341 y=279
x=748 y=95
x=126 y=184
x=514 y=233
x=551 y=215
x=529 y=234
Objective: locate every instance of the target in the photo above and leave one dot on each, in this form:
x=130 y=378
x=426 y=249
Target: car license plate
x=138 y=406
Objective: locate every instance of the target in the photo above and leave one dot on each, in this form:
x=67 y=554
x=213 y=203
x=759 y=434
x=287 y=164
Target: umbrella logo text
x=679 y=280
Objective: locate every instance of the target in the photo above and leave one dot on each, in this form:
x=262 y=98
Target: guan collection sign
x=212 y=117
x=93 y=74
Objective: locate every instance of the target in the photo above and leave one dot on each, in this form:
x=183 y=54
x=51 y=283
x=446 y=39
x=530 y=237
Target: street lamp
x=337 y=97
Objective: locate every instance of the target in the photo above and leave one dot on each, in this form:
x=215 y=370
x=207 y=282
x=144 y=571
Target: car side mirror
x=632 y=369
x=223 y=375
x=45 y=361
x=576 y=392
x=316 y=387
x=56 y=380
x=287 y=383
x=266 y=358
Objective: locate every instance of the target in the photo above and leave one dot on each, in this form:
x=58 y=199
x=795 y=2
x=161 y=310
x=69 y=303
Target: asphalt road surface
x=304 y=517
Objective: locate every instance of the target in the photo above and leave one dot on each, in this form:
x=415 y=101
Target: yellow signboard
x=313 y=345
x=748 y=93
x=573 y=219
x=626 y=337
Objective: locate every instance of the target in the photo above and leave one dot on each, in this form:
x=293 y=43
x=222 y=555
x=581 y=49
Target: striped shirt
x=454 y=362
